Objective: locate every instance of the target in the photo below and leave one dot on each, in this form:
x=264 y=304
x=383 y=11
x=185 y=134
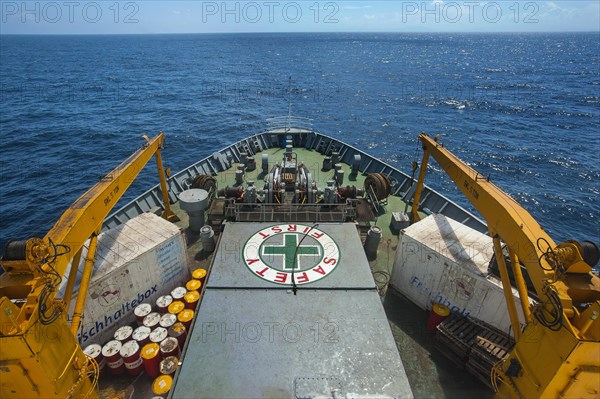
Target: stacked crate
x=473 y=345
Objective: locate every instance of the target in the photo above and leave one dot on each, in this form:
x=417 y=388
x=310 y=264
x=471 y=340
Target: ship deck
x=429 y=373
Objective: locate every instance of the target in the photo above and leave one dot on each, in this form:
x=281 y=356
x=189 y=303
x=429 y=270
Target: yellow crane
x=557 y=353
x=39 y=353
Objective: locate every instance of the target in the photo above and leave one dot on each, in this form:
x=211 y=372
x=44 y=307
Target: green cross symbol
x=290 y=242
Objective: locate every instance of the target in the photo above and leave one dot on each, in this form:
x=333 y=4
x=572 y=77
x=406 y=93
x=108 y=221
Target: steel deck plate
x=261 y=255
x=264 y=343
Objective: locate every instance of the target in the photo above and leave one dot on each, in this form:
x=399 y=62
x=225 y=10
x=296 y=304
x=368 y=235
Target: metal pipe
x=85 y=283
x=72 y=278
x=167 y=214
x=520 y=283
x=588 y=323
x=68 y=364
x=417 y=197
x=510 y=303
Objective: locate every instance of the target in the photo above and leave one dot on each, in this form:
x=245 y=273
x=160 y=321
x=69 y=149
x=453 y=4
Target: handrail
x=150 y=197
x=289 y=212
x=289 y=122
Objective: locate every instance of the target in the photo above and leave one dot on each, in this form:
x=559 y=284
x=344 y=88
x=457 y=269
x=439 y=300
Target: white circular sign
x=277 y=252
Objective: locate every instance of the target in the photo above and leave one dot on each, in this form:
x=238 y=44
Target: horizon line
x=299 y=32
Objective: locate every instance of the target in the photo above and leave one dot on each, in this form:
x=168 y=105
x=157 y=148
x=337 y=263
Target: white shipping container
x=136 y=262
x=440 y=260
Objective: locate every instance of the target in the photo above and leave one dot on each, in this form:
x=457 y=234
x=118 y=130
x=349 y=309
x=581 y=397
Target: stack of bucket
x=175 y=313
x=122 y=354
x=155 y=344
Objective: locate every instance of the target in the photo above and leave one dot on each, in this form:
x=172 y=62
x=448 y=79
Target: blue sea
x=521 y=108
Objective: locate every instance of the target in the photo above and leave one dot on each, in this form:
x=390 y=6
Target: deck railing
x=291 y=212
x=289 y=123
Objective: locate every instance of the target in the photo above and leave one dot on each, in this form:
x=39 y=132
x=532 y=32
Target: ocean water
x=521 y=108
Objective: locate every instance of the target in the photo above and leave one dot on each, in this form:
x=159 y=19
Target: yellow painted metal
x=43 y=362
x=167 y=213
x=414 y=211
x=552 y=363
x=506 y=288
x=72 y=278
x=520 y=284
x=588 y=324
x=571 y=252
x=86 y=277
x=39 y=354
x=561 y=357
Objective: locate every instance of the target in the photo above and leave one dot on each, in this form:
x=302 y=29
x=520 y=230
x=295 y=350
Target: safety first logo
x=274 y=252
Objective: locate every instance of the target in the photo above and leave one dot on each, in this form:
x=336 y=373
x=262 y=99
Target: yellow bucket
x=162 y=384
x=191 y=299
x=438 y=313
x=193 y=285
x=199 y=274
x=176 y=307
x=186 y=317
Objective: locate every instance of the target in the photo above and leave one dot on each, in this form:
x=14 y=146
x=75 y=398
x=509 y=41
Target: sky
x=152 y=17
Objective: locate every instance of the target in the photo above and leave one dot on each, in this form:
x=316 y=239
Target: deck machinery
x=291 y=308
x=290 y=193
x=298 y=313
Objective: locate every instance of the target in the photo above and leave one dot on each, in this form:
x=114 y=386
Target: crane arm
x=56 y=366
x=87 y=213
x=504 y=216
x=508 y=220
x=569 y=292
x=52 y=254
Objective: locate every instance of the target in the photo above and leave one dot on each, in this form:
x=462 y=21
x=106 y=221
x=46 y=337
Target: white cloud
x=552 y=10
